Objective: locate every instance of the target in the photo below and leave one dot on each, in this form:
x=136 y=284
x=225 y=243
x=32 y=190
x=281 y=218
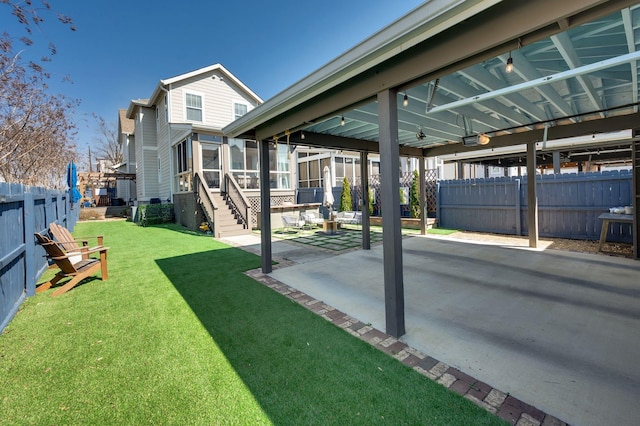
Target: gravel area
x=583 y=246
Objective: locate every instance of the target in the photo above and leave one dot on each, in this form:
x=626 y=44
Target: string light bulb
x=342 y=121
x=509 y=66
x=302 y=135
x=405 y=100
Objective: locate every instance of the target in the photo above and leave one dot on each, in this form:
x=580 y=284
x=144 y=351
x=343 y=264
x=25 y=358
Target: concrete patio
x=556 y=329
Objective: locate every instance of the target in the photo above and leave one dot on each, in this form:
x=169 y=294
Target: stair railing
x=237 y=201
x=205 y=199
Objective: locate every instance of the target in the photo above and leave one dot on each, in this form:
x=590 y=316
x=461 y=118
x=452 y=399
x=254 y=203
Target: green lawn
x=179 y=335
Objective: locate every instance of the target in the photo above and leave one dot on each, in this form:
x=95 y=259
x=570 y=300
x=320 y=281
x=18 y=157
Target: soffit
x=456 y=83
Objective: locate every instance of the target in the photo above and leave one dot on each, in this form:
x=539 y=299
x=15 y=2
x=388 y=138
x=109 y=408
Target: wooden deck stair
x=227 y=224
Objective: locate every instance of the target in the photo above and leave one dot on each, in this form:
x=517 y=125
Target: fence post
x=60 y=210
x=518 y=215
x=438 y=202
x=29 y=243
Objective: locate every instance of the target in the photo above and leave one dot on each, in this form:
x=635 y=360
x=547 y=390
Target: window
x=310 y=170
x=348 y=167
x=239 y=110
x=303 y=174
x=182 y=165
x=166 y=108
x=193 y=104
x=245 y=165
x=279 y=175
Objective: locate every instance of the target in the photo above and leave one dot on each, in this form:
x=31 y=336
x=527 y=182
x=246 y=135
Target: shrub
x=152 y=214
x=414 y=197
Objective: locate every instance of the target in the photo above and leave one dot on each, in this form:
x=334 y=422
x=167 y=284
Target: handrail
x=207 y=202
x=238 y=202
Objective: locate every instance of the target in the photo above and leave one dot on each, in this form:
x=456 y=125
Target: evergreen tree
x=371 y=193
x=345 y=199
x=414 y=197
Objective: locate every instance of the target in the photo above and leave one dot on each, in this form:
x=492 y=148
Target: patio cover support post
x=532 y=197
x=265 y=208
x=423 y=191
x=556 y=162
x=391 y=230
x=635 y=202
x=364 y=183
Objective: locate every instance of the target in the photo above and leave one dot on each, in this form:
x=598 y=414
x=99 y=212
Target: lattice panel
x=276 y=200
x=432 y=190
x=406 y=179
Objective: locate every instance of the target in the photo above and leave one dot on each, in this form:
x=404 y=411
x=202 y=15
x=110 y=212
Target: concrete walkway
x=558 y=330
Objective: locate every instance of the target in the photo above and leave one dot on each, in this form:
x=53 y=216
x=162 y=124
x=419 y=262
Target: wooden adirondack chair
x=70 y=244
x=76 y=270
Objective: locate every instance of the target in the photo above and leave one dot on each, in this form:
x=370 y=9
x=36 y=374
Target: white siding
x=219 y=96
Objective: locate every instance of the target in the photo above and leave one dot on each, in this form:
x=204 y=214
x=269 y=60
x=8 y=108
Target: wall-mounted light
x=342 y=121
x=405 y=100
x=509 y=66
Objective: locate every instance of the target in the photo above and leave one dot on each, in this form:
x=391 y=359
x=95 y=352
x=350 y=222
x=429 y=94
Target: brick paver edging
x=493 y=400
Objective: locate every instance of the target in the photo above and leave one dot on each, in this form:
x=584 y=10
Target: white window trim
x=184 y=99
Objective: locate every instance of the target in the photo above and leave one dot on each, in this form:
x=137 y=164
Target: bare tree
x=107 y=146
x=36 y=129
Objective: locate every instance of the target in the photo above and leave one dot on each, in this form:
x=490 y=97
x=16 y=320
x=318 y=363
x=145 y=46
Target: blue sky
x=121 y=49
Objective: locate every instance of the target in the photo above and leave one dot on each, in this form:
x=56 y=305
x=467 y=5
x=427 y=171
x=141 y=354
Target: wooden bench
x=608 y=218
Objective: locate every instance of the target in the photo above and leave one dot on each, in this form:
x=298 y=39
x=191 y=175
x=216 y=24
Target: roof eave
x=215 y=67
x=134 y=105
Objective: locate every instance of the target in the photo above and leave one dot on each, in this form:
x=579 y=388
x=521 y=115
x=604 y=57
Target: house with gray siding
x=183 y=157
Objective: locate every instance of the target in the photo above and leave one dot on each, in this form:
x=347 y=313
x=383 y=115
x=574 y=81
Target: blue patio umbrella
x=72 y=181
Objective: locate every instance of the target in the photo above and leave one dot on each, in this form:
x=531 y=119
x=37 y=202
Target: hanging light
x=342 y=121
x=301 y=135
x=509 y=66
x=405 y=100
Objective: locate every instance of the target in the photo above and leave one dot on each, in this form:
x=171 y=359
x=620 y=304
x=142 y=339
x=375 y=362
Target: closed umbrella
x=328 y=189
x=72 y=181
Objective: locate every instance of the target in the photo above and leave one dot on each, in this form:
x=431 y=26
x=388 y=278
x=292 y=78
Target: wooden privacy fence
x=23 y=211
x=568 y=204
